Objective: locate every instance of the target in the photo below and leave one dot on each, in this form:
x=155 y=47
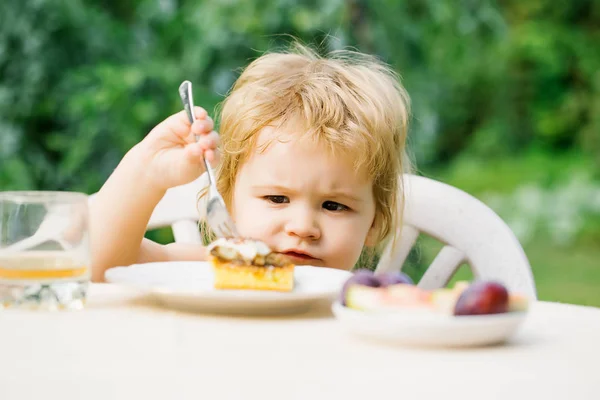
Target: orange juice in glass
x=44 y=250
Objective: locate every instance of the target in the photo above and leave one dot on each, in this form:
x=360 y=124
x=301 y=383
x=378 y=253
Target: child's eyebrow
x=345 y=195
x=333 y=194
x=274 y=187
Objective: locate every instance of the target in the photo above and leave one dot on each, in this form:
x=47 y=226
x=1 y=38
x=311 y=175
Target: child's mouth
x=299 y=256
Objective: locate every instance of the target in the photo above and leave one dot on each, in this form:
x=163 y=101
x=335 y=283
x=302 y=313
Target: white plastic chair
x=179 y=210
x=470 y=230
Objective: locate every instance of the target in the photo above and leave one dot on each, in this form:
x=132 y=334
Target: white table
x=123 y=346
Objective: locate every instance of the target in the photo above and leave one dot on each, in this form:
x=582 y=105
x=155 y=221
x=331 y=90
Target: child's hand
x=171 y=152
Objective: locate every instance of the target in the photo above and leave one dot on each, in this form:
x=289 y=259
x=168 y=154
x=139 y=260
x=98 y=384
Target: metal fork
x=217 y=216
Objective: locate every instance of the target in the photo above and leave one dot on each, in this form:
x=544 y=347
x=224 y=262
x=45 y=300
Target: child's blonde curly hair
x=349 y=102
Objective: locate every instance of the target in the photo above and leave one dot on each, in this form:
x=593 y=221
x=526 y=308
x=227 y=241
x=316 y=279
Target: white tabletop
x=124 y=346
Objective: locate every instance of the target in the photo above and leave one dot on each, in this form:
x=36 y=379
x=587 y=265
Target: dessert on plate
x=395 y=291
x=241 y=263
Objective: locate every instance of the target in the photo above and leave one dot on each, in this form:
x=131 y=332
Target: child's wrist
x=184 y=252
x=138 y=160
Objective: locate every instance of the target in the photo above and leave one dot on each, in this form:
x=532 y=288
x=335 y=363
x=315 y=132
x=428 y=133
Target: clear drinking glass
x=44 y=250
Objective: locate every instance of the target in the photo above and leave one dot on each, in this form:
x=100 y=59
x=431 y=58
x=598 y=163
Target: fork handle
x=211 y=177
x=185 y=92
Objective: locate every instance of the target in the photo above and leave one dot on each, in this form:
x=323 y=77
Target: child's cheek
x=251 y=221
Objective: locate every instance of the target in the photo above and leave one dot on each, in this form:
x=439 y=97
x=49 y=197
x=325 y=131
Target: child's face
x=300 y=201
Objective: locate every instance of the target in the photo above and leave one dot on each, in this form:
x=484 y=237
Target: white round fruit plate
x=429 y=328
x=189 y=285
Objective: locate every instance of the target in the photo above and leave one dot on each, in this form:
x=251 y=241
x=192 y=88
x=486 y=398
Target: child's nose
x=303 y=225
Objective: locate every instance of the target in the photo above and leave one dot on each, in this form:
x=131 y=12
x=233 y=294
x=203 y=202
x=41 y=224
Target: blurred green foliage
x=506 y=94
x=82 y=81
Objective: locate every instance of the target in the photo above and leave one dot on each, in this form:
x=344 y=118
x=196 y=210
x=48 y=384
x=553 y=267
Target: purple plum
x=363 y=277
x=482 y=298
x=393 y=278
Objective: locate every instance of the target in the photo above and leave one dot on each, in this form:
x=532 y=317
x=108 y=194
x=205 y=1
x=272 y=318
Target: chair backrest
x=180 y=209
x=470 y=231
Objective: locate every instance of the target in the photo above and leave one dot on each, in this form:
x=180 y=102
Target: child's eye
x=277 y=199
x=333 y=206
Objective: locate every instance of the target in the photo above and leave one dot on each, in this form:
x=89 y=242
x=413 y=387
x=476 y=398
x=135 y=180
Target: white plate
x=421 y=328
x=189 y=285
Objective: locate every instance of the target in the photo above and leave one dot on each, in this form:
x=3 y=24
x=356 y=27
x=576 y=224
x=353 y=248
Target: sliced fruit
x=444 y=300
x=364 y=298
x=460 y=286
x=408 y=295
x=394 y=297
x=482 y=298
x=368 y=292
x=517 y=302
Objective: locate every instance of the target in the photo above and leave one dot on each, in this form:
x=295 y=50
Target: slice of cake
x=249 y=264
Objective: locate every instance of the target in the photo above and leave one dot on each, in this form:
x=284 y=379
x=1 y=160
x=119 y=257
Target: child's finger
x=202 y=126
x=179 y=123
x=194 y=152
x=212 y=156
x=200 y=113
x=181 y=119
x=210 y=141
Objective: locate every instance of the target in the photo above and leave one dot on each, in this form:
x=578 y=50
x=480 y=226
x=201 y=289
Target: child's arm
x=120 y=211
